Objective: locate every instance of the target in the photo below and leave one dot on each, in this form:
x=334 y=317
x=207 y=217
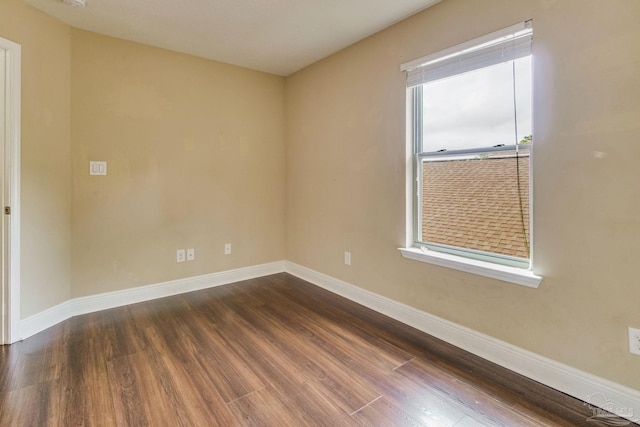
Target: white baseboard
x=623 y=401
x=50 y=317
x=43 y=320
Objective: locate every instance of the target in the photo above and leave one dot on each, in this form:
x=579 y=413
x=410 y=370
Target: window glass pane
x=476 y=109
x=479 y=203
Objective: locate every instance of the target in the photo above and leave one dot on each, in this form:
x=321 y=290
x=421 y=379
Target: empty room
x=320 y=213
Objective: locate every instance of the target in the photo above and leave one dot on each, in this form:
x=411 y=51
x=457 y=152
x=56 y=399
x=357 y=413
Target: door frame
x=11 y=280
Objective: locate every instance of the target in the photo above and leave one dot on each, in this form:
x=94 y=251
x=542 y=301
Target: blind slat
x=505 y=48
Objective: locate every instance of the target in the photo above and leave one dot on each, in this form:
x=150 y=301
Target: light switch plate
x=97 y=168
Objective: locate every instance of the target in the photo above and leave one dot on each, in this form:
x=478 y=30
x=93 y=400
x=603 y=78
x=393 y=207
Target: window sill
x=513 y=275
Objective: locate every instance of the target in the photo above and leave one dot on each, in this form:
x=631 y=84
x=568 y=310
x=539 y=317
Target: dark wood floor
x=274 y=351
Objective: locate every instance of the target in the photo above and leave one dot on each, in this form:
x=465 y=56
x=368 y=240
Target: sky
x=475 y=109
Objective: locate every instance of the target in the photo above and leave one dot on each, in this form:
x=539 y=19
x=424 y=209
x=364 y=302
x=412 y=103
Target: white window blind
x=505 y=45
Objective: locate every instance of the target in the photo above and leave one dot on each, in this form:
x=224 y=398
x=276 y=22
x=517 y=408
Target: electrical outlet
x=227 y=248
x=347 y=258
x=191 y=254
x=634 y=341
x=180 y=255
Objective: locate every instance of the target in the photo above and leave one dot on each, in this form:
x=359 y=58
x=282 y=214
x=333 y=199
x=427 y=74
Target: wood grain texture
x=274 y=351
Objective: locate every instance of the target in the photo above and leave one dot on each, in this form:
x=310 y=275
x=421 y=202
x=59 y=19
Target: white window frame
x=453 y=61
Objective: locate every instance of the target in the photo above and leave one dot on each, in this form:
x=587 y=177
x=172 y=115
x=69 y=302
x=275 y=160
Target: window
x=472 y=139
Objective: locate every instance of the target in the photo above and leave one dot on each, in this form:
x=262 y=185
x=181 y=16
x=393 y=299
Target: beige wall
x=46 y=158
x=195 y=153
x=346 y=177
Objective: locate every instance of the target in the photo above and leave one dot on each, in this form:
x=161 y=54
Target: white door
x=3 y=263
x=10 y=61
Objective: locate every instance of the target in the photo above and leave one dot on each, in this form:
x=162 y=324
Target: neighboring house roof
x=475 y=203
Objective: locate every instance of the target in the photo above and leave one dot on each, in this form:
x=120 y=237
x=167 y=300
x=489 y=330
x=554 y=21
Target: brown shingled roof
x=474 y=204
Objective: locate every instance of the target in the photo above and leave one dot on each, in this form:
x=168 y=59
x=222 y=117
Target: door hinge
x=7 y=210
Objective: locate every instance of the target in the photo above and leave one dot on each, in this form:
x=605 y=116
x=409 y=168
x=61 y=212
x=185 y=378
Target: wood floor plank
x=272 y=351
x=306 y=403
x=339 y=312
x=330 y=376
x=86 y=395
x=318 y=328
x=471 y=422
x=9 y=359
x=167 y=396
x=227 y=371
x=383 y=413
x=157 y=390
x=480 y=403
x=35 y=405
x=33 y=362
x=262 y=408
x=119 y=334
x=190 y=385
x=419 y=401
x=130 y=406
x=353 y=353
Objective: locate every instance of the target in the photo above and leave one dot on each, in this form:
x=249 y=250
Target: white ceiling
x=276 y=36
